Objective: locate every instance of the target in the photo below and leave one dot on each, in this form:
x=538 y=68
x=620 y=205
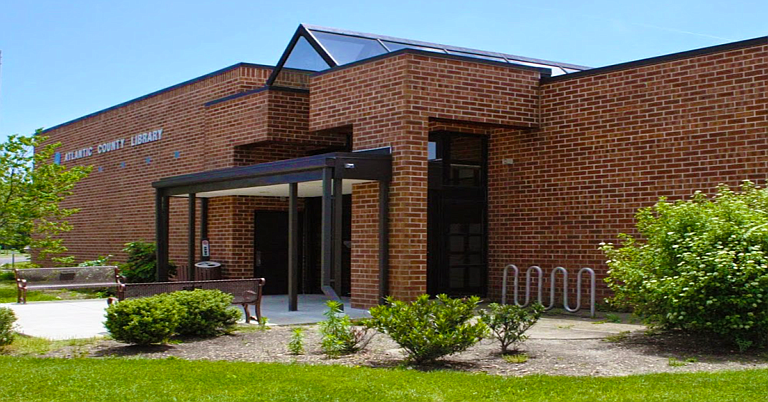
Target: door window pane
x=457 y=244
x=456 y=277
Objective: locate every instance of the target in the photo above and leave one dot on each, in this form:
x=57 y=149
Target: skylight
x=304 y=57
x=316 y=48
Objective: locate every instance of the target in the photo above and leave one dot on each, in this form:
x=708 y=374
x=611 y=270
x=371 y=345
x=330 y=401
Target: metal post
x=326 y=251
x=338 y=198
x=162 y=205
x=383 y=240
x=191 y=238
x=203 y=225
x=293 y=247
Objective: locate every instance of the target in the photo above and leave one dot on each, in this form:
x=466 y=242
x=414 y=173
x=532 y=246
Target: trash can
x=207 y=270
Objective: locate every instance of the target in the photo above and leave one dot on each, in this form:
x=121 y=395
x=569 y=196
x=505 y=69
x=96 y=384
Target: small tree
x=508 y=323
x=32 y=187
x=340 y=337
x=703 y=265
x=142 y=262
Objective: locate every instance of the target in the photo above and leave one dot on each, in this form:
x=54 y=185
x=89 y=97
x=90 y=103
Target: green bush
x=509 y=322
x=339 y=336
x=702 y=268
x=142 y=263
x=144 y=321
x=429 y=329
x=7 y=318
x=102 y=261
x=205 y=312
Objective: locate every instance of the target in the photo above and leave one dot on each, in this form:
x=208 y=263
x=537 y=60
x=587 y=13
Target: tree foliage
x=32 y=188
x=703 y=266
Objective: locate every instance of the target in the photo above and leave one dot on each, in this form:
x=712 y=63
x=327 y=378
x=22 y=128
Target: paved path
x=85 y=318
x=7 y=259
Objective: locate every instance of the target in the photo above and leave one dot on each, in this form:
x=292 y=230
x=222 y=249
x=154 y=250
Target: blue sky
x=62 y=60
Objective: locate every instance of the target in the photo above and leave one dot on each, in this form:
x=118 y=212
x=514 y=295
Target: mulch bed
x=635 y=353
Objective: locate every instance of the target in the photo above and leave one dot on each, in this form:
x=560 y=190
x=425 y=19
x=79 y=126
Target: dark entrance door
x=270 y=246
x=456 y=215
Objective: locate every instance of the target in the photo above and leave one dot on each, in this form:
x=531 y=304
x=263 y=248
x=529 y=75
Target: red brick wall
x=617 y=141
x=117 y=203
x=389 y=102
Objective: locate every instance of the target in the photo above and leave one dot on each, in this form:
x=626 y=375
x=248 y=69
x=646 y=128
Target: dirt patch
x=561 y=346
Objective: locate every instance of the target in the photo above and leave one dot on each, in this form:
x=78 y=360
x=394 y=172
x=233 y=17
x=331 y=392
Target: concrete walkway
x=85 y=318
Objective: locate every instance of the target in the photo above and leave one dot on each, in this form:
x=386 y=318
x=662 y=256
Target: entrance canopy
x=265 y=178
x=327 y=175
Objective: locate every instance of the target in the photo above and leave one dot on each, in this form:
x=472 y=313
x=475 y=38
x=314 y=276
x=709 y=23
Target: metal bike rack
x=553 y=280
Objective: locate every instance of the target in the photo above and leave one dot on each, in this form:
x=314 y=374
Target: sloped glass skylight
x=316 y=48
x=395 y=46
x=304 y=57
x=347 y=49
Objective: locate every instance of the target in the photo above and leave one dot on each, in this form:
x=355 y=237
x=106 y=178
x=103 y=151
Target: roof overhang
x=272 y=178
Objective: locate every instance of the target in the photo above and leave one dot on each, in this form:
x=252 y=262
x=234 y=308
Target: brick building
x=366 y=165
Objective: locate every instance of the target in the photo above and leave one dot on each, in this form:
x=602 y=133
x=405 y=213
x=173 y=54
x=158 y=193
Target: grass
x=518 y=358
x=114 y=379
x=31 y=346
x=612 y=318
x=674 y=362
x=620 y=337
x=8 y=293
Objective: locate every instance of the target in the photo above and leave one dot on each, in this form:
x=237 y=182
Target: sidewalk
x=85 y=318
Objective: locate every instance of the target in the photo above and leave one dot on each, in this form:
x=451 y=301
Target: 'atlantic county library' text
x=138 y=139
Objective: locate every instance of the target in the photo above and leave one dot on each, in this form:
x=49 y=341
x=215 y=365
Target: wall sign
x=120 y=143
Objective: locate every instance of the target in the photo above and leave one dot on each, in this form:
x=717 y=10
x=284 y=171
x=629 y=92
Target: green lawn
x=114 y=379
x=8 y=293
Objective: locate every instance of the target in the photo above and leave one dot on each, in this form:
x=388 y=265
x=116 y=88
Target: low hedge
x=156 y=319
x=205 y=312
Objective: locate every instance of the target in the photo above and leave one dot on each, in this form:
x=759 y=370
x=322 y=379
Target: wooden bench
x=66 y=278
x=245 y=291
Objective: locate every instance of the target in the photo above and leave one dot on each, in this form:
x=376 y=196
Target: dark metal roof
x=370 y=165
x=763 y=40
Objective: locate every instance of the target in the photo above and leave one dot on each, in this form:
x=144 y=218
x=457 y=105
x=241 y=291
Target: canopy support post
x=191 y=238
x=383 y=241
x=338 y=198
x=326 y=237
x=293 y=247
x=161 y=235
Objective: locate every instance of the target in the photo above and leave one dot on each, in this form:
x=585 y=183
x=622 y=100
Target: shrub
x=509 y=322
x=296 y=345
x=429 y=329
x=142 y=263
x=205 y=312
x=7 y=318
x=340 y=337
x=702 y=268
x=144 y=321
x=99 y=262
